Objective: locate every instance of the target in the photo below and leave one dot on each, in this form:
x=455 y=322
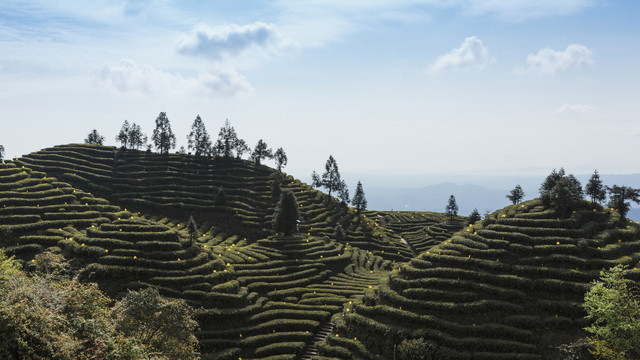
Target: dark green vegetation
x=430 y=285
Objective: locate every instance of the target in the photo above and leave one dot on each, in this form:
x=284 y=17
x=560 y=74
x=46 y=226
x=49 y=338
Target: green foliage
x=359 y=200
x=164 y=326
x=281 y=158
x=137 y=138
x=163 y=138
x=94 y=138
x=1 y=152
x=123 y=135
x=261 y=151
x=561 y=191
x=286 y=215
x=416 y=349
x=618 y=198
x=57 y=318
x=221 y=196
x=228 y=142
x=199 y=139
x=330 y=178
x=474 y=216
x=49 y=263
x=452 y=207
x=193 y=229
x=614 y=309
x=595 y=189
x=276 y=189
x=338 y=233
x=241 y=148
x=516 y=195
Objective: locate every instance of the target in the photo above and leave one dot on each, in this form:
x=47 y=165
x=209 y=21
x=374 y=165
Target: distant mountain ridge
x=484 y=193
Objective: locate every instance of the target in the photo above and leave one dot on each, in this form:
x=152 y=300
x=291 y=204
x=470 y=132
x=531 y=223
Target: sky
x=404 y=87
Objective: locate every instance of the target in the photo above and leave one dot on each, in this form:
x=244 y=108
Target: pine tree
x=221 y=197
x=618 y=196
x=241 y=148
x=344 y=194
x=516 y=194
x=452 y=207
x=94 y=138
x=227 y=140
x=199 y=139
x=281 y=158
x=286 y=215
x=595 y=189
x=261 y=151
x=359 y=200
x=330 y=178
x=123 y=135
x=474 y=216
x=163 y=137
x=276 y=190
x=193 y=229
x=338 y=233
x=137 y=138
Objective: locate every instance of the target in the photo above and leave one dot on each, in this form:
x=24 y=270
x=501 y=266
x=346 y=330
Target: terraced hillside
x=421 y=230
x=508 y=287
x=234 y=195
x=257 y=298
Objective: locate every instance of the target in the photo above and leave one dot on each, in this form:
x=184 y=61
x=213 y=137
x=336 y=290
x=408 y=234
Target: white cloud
x=128 y=77
x=471 y=54
x=549 y=61
x=577 y=108
x=216 y=43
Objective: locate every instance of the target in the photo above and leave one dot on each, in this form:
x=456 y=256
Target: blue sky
x=409 y=87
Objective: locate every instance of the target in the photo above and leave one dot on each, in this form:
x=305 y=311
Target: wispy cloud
x=576 y=108
x=522 y=10
x=549 y=61
x=129 y=77
x=471 y=54
x=216 y=43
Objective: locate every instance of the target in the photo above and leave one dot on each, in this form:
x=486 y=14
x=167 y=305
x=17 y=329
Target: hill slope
x=508 y=287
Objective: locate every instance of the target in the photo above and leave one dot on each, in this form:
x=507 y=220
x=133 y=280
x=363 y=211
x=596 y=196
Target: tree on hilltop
x=516 y=194
x=619 y=195
x=123 y=135
x=227 y=140
x=565 y=193
x=281 y=158
x=1 y=152
x=595 y=189
x=137 y=138
x=286 y=215
x=550 y=181
x=94 y=138
x=241 y=148
x=131 y=136
x=330 y=179
x=452 y=207
x=359 y=200
x=261 y=151
x=163 y=138
x=474 y=216
x=199 y=139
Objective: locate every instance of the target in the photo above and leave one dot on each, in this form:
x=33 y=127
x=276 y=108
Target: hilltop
x=509 y=286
